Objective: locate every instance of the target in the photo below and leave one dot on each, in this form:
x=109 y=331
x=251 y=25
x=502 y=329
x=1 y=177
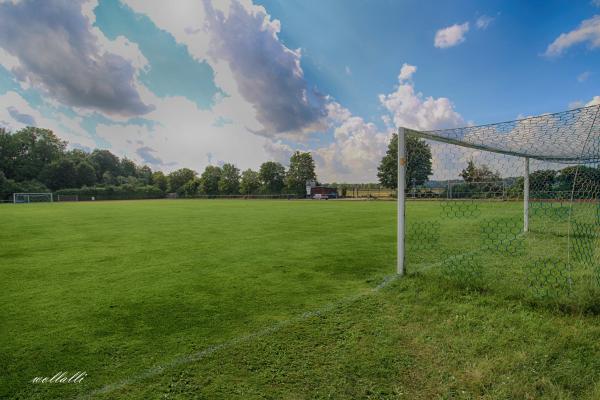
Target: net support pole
x=526 y=196
x=401 y=198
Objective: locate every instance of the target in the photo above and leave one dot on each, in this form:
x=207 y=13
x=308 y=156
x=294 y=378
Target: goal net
x=513 y=203
x=32 y=197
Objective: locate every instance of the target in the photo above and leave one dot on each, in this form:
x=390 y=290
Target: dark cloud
x=20 y=117
x=58 y=52
x=145 y=154
x=267 y=73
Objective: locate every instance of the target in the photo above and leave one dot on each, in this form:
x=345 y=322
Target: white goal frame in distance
x=401 y=194
x=15 y=195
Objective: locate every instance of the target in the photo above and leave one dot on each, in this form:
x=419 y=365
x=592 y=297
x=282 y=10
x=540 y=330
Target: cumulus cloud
x=483 y=22
x=406 y=72
x=595 y=101
x=18 y=113
x=355 y=153
x=62 y=57
x=587 y=32
x=267 y=73
x=451 y=36
x=410 y=109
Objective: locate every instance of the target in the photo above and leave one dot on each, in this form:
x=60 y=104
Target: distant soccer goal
x=67 y=197
x=515 y=202
x=19 y=198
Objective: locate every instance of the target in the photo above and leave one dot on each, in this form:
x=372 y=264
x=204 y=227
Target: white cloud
x=17 y=113
x=358 y=145
x=451 y=36
x=583 y=76
x=483 y=22
x=355 y=152
x=406 y=72
x=411 y=109
x=578 y=103
x=588 y=31
x=348 y=70
x=595 y=101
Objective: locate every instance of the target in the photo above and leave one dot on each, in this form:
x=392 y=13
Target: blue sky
x=194 y=83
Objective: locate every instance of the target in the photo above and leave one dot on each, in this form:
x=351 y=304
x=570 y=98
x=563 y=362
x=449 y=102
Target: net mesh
x=468 y=215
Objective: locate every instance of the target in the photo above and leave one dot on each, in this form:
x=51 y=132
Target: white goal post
x=19 y=198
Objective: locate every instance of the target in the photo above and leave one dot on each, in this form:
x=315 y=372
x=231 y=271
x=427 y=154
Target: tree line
x=477 y=179
x=36 y=160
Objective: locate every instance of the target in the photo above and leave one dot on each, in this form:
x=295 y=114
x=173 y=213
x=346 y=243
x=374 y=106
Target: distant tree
x=85 y=174
x=542 y=180
x=160 y=180
x=229 y=182
x=127 y=167
x=144 y=174
x=209 y=181
x=179 y=178
x=272 y=177
x=108 y=178
x=579 y=178
x=301 y=170
x=60 y=174
x=418 y=167
x=77 y=155
x=190 y=188
x=250 y=182
x=105 y=161
x=26 y=153
x=473 y=173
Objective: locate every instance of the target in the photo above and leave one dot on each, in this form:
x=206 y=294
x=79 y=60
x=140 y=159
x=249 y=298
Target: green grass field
x=289 y=299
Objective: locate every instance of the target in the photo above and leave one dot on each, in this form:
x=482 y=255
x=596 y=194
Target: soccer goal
x=32 y=197
x=514 y=202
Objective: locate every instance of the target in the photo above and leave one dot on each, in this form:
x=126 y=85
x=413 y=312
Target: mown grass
x=208 y=299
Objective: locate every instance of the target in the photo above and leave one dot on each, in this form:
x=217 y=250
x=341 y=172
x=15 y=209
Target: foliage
x=229 y=181
x=104 y=161
x=250 y=182
x=209 y=181
x=160 y=180
x=190 y=188
x=301 y=170
x=272 y=177
x=179 y=178
x=418 y=167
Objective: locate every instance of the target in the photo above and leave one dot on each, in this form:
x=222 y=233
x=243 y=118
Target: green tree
x=209 y=181
x=229 y=182
x=26 y=153
x=105 y=161
x=481 y=174
x=272 y=177
x=301 y=170
x=250 y=182
x=542 y=180
x=127 y=167
x=160 y=180
x=85 y=174
x=144 y=174
x=179 y=178
x=60 y=174
x=418 y=167
x=190 y=188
